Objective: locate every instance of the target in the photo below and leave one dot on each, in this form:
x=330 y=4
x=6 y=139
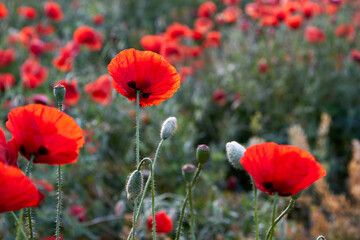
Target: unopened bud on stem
x=234 y=152
x=202 y=153
x=59 y=93
x=188 y=171
x=134 y=185
x=168 y=128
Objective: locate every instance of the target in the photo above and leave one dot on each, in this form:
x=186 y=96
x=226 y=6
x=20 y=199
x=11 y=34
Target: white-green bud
x=134 y=185
x=234 y=152
x=168 y=128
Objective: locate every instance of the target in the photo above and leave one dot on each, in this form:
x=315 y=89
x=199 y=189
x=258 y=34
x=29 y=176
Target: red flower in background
x=7 y=56
x=3 y=11
x=27 y=12
x=143 y=71
x=207 y=9
x=53 y=11
x=77 y=212
x=219 y=97
x=53 y=238
x=263 y=66
x=152 y=43
x=16 y=190
x=49 y=134
x=172 y=51
x=203 y=25
x=212 y=39
x=88 y=37
x=231 y=14
x=72 y=94
x=37 y=47
x=355 y=55
x=44 y=30
x=100 y=90
x=33 y=74
x=64 y=61
x=26 y=35
x=294 y=22
x=176 y=30
x=39 y=99
x=164 y=224
x=45 y=185
x=314 y=34
x=281 y=168
x=186 y=71
x=98 y=19
x=7 y=80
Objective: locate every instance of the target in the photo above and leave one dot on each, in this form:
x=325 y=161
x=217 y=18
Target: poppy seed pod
x=234 y=152
x=168 y=128
x=134 y=185
x=188 y=172
x=59 y=93
x=202 y=153
x=296 y=196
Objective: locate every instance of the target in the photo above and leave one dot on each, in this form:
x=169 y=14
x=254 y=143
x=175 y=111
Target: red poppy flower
x=294 y=22
x=173 y=52
x=87 y=36
x=231 y=14
x=98 y=19
x=64 y=61
x=53 y=11
x=7 y=56
x=8 y=151
x=27 y=12
x=77 y=212
x=212 y=39
x=230 y=2
x=37 y=47
x=72 y=94
x=314 y=34
x=152 y=43
x=100 y=90
x=49 y=134
x=164 y=224
x=3 y=11
x=253 y=10
x=33 y=74
x=186 y=71
x=355 y=55
x=26 y=35
x=145 y=71
x=45 y=185
x=39 y=99
x=263 y=66
x=7 y=80
x=269 y=20
x=219 y=97
x=53 y=238
x=207 y=9
x=281 y=168
x=203 y=25
x=44 y=30
x=16 y=190
x=176 y=30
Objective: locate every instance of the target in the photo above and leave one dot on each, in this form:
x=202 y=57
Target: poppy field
x=221 y=119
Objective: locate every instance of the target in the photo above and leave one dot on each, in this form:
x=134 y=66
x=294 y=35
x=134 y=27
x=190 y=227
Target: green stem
x=178 y=231
x=270 y=232
x=192 y=217
x=28 y=174
x=18 y=225
x=153 y=202
x=137 y=128
x=19 y=228
x=287 y=209
x=145 y=189
x=58 y=209
x=255 y=212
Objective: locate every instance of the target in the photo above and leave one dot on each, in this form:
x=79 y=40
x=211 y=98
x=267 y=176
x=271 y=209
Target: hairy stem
x=30 y=221
x=256 y=212
x=192 y=217
x=270 y=232
x=58 y=209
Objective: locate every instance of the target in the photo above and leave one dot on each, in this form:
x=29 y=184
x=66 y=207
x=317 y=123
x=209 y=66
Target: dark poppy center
x=269 y=186
x=41 y=151
x=132 y=85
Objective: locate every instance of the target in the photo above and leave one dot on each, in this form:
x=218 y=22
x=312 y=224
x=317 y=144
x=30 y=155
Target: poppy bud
x=134 y=185
x=59 y=93
x=168 y=128
x=234 y=152
x=202 y=153
x=188 y=172
x=296 y=196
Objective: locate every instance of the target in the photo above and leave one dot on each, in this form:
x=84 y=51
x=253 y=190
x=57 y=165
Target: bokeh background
x=252 y=71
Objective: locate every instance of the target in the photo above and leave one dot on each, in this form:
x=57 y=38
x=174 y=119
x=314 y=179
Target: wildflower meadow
x=181 y=120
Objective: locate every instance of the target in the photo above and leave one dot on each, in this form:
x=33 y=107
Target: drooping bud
x=234 y=152
x=59 y=93
x=188 y=172
x=202 y=153
x=134 y=185
x=296 y=196
x=168 y=128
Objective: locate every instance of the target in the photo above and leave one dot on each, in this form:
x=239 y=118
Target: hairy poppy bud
x=188 y=172
x=234 y=152
x=168 y=128
x=134 y=185
x=202 y=153
x=59 y=93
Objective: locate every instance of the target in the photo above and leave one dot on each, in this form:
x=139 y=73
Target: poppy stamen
x=132 y=85
x=43 y=150
x=145 y=95
x=269 y=186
